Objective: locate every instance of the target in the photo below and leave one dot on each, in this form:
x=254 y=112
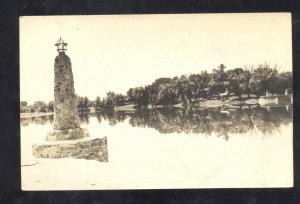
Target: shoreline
x=210 y=103
x=38 y=114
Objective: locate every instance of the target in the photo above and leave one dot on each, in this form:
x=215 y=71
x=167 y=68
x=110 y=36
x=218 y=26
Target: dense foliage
x=194 y=87
x=188 y=88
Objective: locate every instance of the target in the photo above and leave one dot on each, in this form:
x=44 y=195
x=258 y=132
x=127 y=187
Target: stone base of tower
x=67 y=134
x=95 y=149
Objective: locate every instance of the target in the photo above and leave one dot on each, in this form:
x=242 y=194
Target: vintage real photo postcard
x=165 y=101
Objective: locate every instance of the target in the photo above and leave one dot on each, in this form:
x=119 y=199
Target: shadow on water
x=219 y=121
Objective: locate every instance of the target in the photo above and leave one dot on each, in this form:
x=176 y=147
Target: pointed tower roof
x=60 y=41
x=61 y=45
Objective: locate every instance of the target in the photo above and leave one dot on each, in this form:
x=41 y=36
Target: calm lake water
x=222 y=122
x=183 y=148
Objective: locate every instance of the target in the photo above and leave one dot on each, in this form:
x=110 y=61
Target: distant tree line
x=185 y=89
x=37 y=106
x=112 y=99
x=239 y=82
x=83 y=104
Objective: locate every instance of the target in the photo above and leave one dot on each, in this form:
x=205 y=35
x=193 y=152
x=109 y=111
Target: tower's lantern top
x=61 y=46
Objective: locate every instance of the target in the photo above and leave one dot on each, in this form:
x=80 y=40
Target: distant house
x=268 y=94
x=270 y=99
x=224 y=94
x=288 y=91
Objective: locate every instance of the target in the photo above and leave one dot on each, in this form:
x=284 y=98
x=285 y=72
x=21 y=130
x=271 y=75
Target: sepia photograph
x=156 y=101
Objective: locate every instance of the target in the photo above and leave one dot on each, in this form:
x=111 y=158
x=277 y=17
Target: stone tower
x=66 y=120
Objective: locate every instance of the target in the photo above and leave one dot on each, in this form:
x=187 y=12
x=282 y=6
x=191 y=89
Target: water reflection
x=40 y=120
x=207 y=121
x=112 y=117
x=84 y=118
x=221 y=121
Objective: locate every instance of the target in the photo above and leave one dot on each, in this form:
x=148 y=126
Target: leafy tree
x=32 y=110
x=213 y=87
x=110 y=98
x=203 y=80
x=83 y=103
x=130 y=95
x=217 y=82
x=263 y=79
x=39 y=106
x=219 y=74
x=167 y=91
x=140 y=96
x=80 y=102
x=285 y=81
x=50 y=106
x=236 y=80
x=23 y=106
x=98 y=103
x=166 y=95
x=103 y=103
x=119 y=100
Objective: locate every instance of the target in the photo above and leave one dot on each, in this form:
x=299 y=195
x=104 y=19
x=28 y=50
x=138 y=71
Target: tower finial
x=61 y=46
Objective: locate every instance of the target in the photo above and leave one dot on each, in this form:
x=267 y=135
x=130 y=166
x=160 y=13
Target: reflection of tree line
x=111 y=116
x=40 y=120
x=207 y=121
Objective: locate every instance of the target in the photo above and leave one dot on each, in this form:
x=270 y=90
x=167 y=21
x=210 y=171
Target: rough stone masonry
x=66 y=120
x=67 y=139
x=64 y=94
x=95 y=149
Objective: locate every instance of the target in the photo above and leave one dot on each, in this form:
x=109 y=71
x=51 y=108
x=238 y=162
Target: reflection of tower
x=66 y=121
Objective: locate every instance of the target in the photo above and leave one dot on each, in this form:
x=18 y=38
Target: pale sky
x=117 y=52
